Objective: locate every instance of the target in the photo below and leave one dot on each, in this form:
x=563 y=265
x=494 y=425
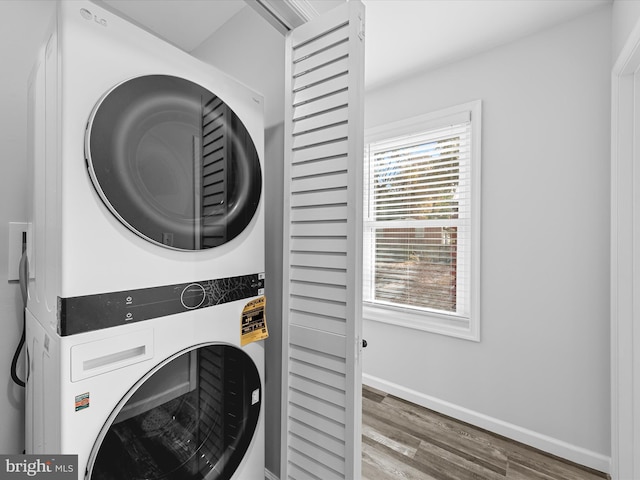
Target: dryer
x=148 y=166
x=146 y=252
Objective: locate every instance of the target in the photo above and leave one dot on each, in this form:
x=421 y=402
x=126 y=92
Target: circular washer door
x=173 y=162
x=191 y=418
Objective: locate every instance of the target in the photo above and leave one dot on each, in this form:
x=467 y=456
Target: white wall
x=22 y=26
x=252 y=51
x=625 y=441
x=541 y=370
x=625 y=16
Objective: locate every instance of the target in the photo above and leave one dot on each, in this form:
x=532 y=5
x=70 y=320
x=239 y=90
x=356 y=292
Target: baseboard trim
x=269 y=476
x=534 y=439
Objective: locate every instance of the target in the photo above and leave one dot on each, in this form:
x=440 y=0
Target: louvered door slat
x=319 y=244
x=216 y=151
x=305 y=466
x=329 y=70
x=211 y=125
x=324 y=151
x=212 y=178
x=213 y=148
x=329 y=443
x=332 y=101
x=311 y=305
x=322 y=240
x=319 y=454
x=325 y=425
x=321 y=136
x=321 y=213
x=307 y=199
x=327 y=40
x=320 y=89
x=312 y=356
x=334 y=229
x=319 y=260
x=320 y=322
x=319 y=182
x=303 y=414
x=319 y=275
x=325 y=292
x=322 y=377
x=312 y=183
x=331 y=117
x=321 y=59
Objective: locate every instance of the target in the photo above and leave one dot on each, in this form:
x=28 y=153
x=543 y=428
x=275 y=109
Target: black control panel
x=103 y=310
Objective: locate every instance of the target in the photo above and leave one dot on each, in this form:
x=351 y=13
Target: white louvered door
x=322 y=292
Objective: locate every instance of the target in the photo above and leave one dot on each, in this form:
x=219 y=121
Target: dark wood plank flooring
x=401 y=440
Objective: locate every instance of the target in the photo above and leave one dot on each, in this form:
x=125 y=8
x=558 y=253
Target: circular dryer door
x=173 y=162
x=193 y=417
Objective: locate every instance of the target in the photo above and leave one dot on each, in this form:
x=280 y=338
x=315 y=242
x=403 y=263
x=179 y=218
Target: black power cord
x=23 y=270
x=16 y=355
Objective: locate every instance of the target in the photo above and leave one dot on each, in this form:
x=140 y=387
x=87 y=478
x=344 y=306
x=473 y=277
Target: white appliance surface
x=85 y=361
x=87 y=250
x=61 y=378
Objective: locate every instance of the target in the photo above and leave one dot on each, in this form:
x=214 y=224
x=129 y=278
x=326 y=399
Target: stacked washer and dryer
x=146 y=256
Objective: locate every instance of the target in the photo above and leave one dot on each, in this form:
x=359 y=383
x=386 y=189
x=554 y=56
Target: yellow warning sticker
x=254 y=322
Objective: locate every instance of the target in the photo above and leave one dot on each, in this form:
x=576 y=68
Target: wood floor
x=403 y=441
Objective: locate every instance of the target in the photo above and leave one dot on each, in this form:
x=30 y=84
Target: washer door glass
x=191 y=418
x=173 y=162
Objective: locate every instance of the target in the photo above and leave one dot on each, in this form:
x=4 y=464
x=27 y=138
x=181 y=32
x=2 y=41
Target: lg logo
x=87 y=15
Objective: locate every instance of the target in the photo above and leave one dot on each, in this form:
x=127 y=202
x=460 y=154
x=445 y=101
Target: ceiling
x=185 y=23
x=403 y=36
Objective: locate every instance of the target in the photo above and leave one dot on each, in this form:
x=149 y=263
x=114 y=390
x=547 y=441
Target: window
x=421 y=222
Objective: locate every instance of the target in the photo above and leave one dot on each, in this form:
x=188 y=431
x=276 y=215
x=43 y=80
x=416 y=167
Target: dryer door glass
x=173 y=162
x=191 y=418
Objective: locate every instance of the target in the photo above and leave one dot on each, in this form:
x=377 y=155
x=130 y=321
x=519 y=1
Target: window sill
x=440 y=324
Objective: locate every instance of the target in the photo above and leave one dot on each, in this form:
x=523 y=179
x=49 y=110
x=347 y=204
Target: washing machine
x=150 y=401
x=146 y=257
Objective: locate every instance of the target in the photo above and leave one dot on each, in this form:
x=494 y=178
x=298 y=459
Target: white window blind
x=419 y=214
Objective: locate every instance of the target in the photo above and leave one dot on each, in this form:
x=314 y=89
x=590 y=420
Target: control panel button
x=193 y=296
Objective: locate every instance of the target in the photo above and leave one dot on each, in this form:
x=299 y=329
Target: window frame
x=432 y=321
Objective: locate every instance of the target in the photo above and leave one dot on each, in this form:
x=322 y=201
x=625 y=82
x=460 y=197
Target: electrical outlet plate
x=16 y=230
